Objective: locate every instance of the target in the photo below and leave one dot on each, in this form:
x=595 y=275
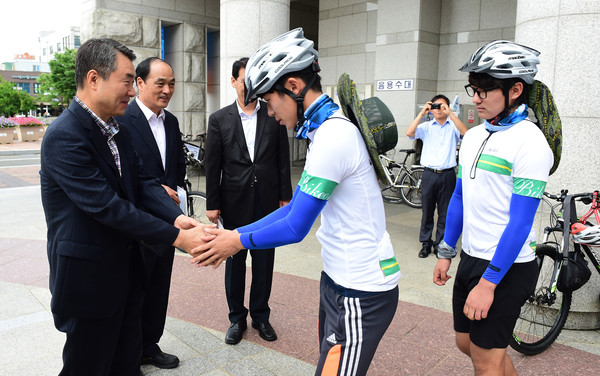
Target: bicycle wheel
x=545 y=312
x=411 y=190
x=391 y=195
x=197 y=206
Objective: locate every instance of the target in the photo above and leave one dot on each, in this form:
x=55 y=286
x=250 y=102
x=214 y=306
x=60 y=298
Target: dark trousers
x=260 y=289
x=351 y=324
x=263 y=261
x=107 y=346
x=156 y=298
x=436 y=191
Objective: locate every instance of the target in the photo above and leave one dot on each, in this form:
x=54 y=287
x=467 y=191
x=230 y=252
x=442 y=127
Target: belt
x=439 y=171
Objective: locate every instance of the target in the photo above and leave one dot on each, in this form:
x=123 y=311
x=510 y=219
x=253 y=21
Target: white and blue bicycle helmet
x=289 y=52
x=503 y=59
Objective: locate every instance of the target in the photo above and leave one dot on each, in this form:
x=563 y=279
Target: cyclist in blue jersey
x=504 y=165
x=359 y=291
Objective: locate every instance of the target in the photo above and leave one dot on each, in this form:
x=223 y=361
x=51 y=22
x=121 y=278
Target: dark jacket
x=173 y=174
x=232 y=178
x=93 y=215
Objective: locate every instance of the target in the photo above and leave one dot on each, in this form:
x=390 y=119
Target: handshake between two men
x=205 y=243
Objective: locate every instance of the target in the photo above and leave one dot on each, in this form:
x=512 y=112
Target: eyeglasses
x=471 y=91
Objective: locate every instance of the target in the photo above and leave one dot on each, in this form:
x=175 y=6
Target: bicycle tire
x=197 y=206
x=411 y=194
x=544 y=314
x=389 y=193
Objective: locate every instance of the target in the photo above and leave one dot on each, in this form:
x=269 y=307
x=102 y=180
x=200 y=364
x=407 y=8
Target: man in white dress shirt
x=157 y=141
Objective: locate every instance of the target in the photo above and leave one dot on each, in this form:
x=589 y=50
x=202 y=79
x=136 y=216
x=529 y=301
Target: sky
x=22 y=21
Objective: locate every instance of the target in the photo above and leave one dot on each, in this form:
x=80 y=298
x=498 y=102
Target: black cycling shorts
x=496 y=329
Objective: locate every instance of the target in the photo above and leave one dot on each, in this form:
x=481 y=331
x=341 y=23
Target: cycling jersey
x=356 y=249
x=513 y=161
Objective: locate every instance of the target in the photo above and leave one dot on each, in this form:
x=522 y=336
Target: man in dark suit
x=157 y=141
x=247 y=177
x=98 y=204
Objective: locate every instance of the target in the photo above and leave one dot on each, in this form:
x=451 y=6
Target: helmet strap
x=298 y=98
x=507 y=109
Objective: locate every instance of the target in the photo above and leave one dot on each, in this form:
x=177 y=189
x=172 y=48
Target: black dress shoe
x=162 y=360
x=235 y=332
x=425 y=251
x=265 y=331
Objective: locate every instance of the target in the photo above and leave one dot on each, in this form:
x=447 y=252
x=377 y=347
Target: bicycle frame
x=389 y=163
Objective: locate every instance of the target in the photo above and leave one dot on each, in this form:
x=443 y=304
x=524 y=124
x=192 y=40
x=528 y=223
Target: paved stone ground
x=420 y=340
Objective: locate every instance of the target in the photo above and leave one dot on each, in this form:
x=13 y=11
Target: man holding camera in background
x=440 y=137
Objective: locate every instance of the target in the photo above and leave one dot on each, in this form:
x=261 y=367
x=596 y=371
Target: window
x=25 y=86
x=58 y=47
x=36 y=88
x=36 y=68
x=77 y=41
x=44 y=52
x=51 y=50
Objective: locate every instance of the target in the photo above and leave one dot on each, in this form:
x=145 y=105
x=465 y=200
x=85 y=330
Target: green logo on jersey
x=389 y=266
x=529 y=187
x=494 y=164
x=317 y=187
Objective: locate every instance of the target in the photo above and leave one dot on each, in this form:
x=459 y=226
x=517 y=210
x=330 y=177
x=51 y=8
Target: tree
x=14 y=101
x=58 y=86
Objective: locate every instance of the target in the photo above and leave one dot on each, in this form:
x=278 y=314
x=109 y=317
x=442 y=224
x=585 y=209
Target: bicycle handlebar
x=585 y=198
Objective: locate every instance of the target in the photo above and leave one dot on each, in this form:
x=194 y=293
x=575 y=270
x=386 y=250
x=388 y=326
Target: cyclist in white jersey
x=359 y=281
x=503 y=169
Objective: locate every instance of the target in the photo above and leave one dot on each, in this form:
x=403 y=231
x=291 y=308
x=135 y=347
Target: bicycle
x=194 y=159
x=544 y=314
x=402 y=180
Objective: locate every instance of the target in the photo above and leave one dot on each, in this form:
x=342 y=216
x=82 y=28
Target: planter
x=31 y=133
x=6 y=135
x=15 y=133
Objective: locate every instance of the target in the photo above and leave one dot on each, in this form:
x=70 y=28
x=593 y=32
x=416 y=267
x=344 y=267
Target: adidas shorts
x=351 y=324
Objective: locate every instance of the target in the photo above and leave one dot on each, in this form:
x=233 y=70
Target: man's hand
x=184 y=222
x=192 y=237
x=172 y=194
x=426 y=108
x=445 y=109
x=226 y=243
x=213 y=215
x=440 y=272
x=479 y=300
x=283 y=203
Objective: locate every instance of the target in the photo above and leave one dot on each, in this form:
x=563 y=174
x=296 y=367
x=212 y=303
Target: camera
x=435 y=106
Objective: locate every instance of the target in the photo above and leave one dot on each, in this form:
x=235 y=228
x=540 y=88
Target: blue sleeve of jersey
x=270 y=218
x=454 y=216
x=522 y=213
x=292 y=228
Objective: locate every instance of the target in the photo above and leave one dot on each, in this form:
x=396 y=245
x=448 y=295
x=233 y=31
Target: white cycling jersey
x=517 y=161
x=356 y=249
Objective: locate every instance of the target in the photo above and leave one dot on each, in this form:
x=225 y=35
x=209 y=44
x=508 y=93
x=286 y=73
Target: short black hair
x=143 y=69
x=237 y=65
x=441 y=96
x=99 y=54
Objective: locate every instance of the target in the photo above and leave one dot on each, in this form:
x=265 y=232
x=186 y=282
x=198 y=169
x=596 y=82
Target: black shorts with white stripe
x=351 y=324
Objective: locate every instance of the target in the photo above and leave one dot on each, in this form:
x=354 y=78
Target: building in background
x=56 y=41
x=23 y=72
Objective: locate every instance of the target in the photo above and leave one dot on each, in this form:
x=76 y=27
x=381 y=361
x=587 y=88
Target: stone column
x=245 y=26
x=560 y=30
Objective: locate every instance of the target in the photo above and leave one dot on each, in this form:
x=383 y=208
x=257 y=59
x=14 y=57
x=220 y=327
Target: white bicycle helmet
x=503 y=59
x=586 y=233
x=289 y=52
